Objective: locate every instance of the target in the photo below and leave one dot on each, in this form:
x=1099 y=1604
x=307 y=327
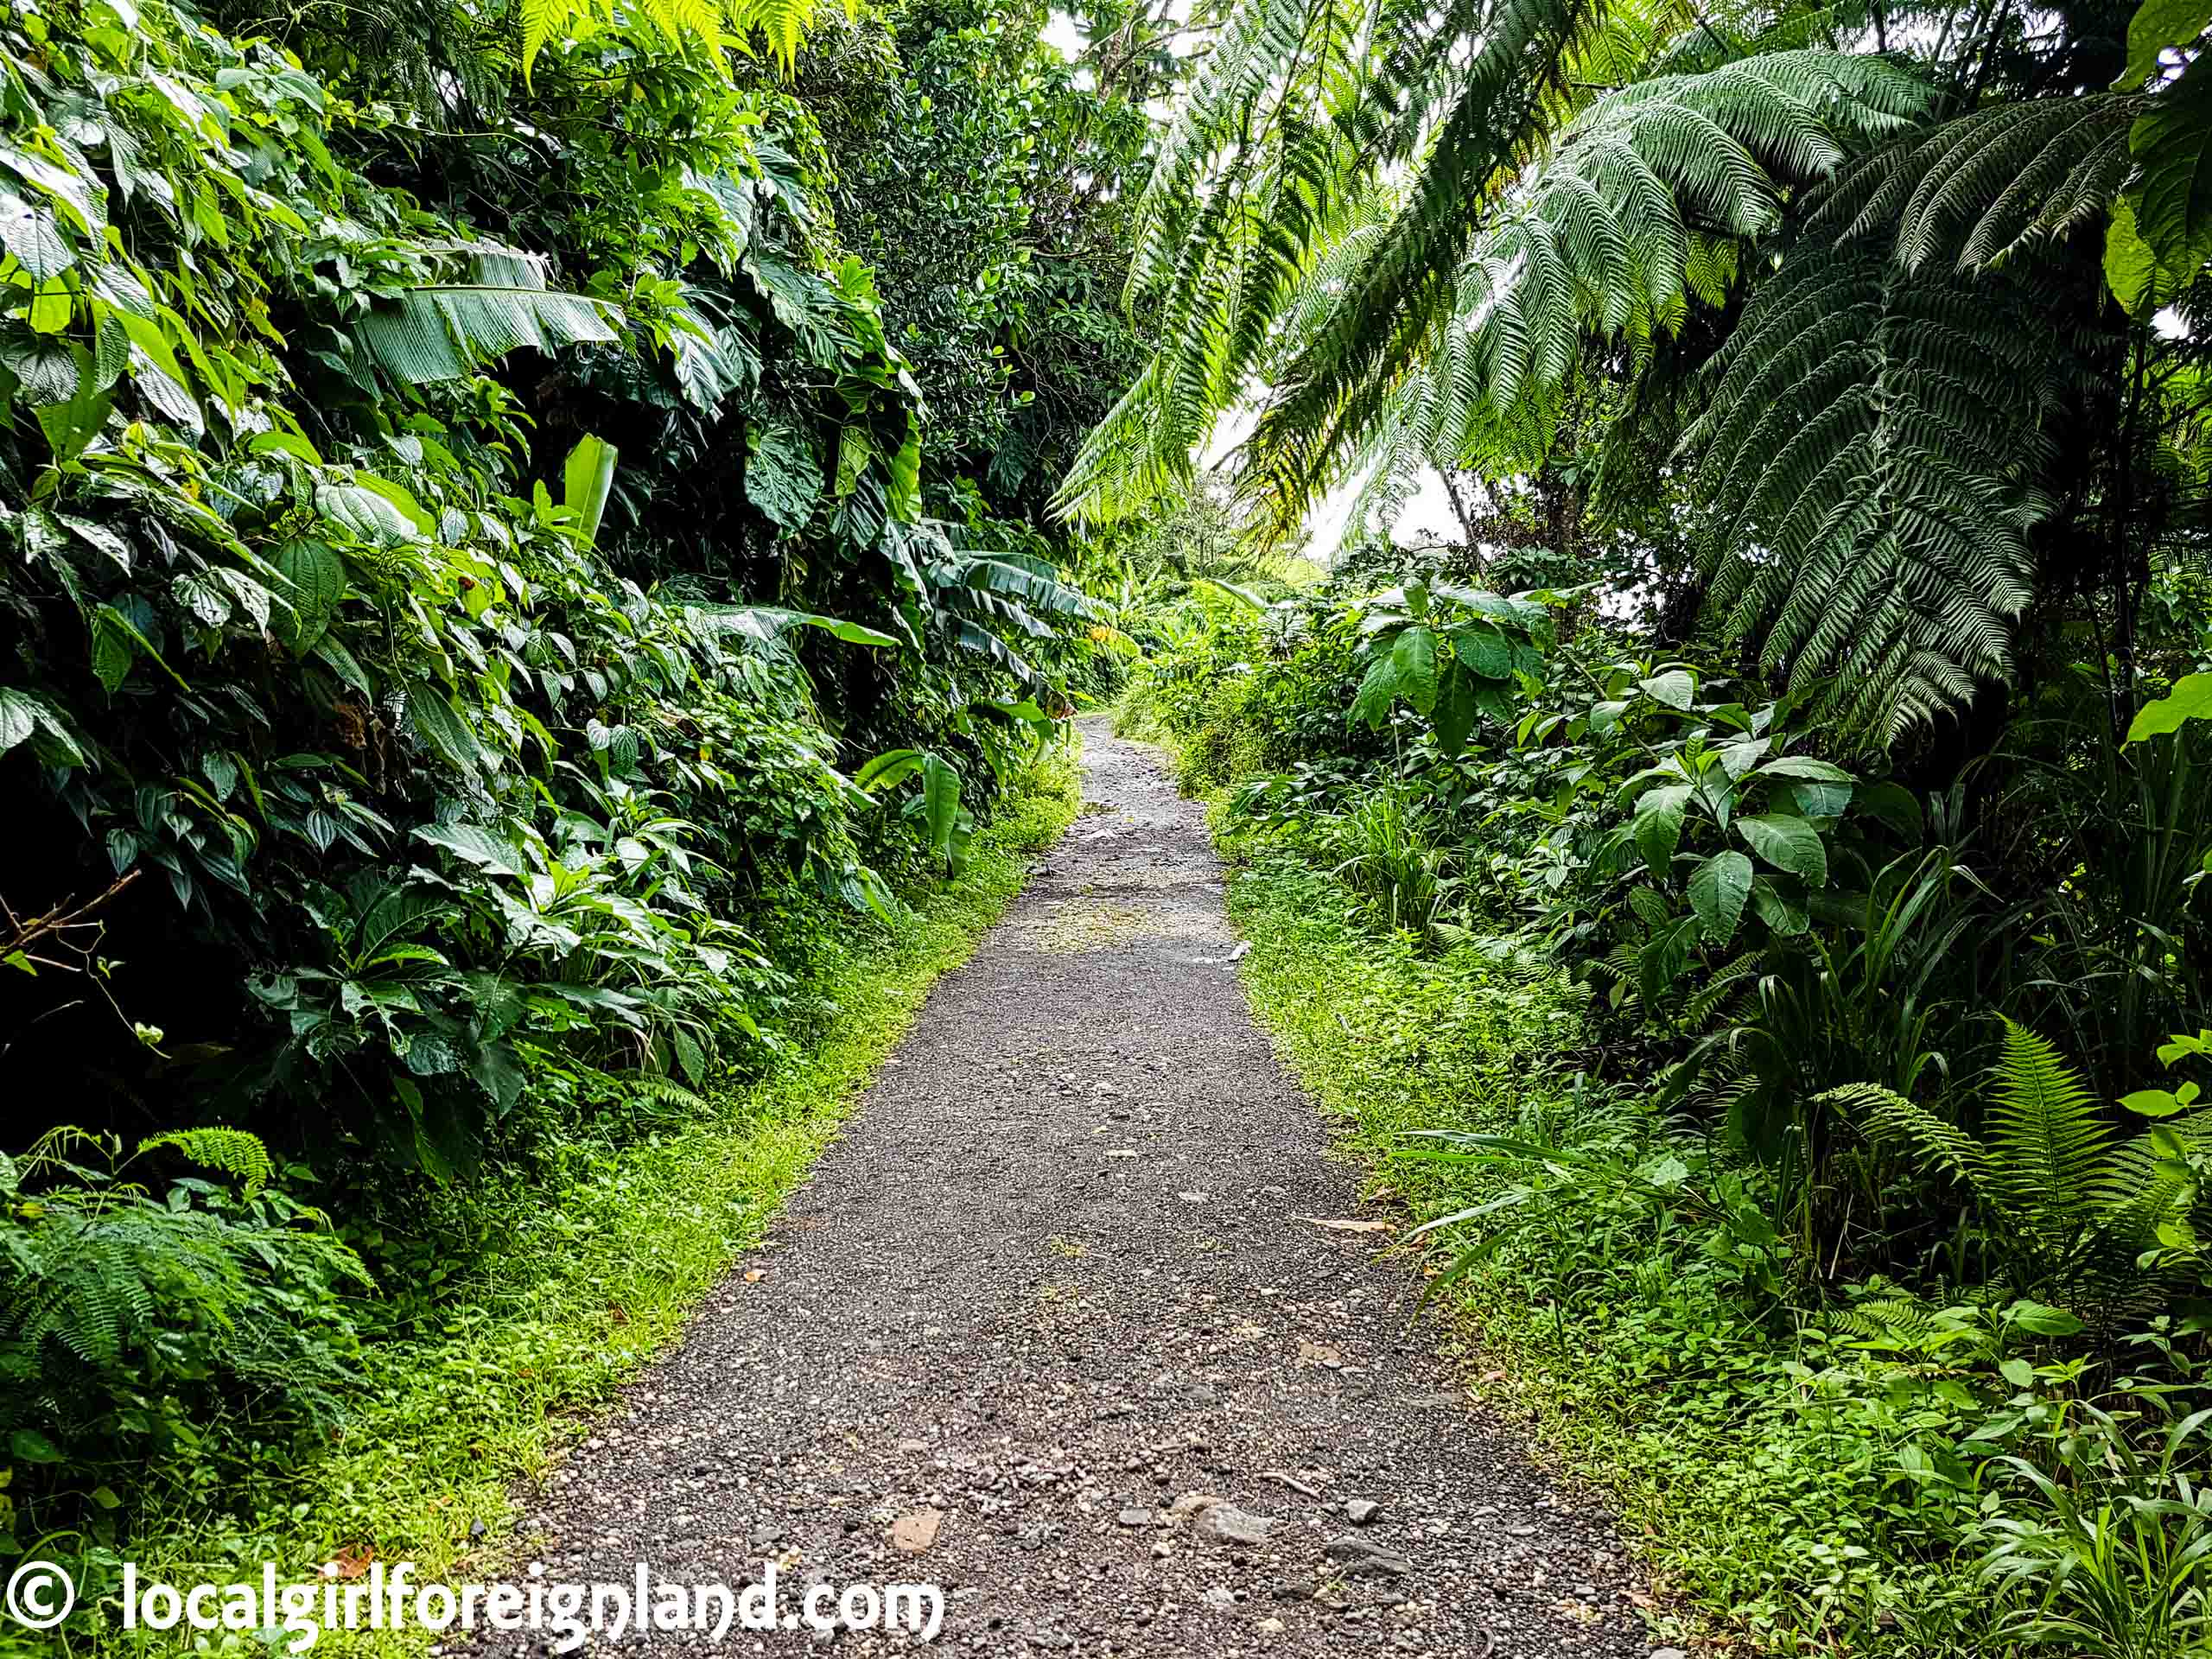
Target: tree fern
x=1302 y=107
x=1872 y=444
x=1986 y=185
x=1605 y=236
x=783 y=24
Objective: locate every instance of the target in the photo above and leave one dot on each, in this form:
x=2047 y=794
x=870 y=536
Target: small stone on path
x=916 y=1530
x=1227 y=1524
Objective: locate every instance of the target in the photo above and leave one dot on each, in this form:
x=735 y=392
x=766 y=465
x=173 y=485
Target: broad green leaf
x=1659 y=814
x=47 y=369
x=2041 y=1321
x=441 y=730
x=476 y=845
x=1455 y=710
x=445 y=331
x=290 y=443
x=26 y=715
x=368 y=515
x=1243 y=596
x=112 y=653
x=1412 y=657
x=1662 y=960
x=1789 y=844
x=70 y=426
x=587 y=478
x=1484 y=650
x=33 y=236
x=1719 y=888
x=2157 y=25
x=2190 y=699
x=317 y=575
x=1804 y=766
x=1674 y=688
x=2172 y=143
x=940 y=802
x=1740 y=758
x=1782 y=917
x=905 y=493
x=767 y=622
x=32 y=1445
x=19 y=716
x=2131 y=270
x=51 y=308
x=887 y=768
x=402 y=500
x=2162 y=1102
x=1371 y=705
x=782 y=478
x=1817 y=800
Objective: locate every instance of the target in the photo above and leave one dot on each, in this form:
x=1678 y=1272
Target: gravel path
x=1055 y=1285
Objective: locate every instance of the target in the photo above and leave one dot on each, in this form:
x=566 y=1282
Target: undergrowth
x=1617 y=1336
x=590 y=1278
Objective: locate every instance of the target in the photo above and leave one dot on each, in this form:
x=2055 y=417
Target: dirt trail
x=1054 y=1278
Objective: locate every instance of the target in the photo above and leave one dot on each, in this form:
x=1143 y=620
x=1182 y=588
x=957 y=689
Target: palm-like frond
x=1626 y=214
x=1871 y=442
x=444 y=331
x=1985 y=186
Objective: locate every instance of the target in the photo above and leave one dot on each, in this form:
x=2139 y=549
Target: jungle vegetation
x=531 y=528
x=1749 y=867
x=525 y=545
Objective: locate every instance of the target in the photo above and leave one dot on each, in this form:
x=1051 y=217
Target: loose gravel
x=1053 y=1326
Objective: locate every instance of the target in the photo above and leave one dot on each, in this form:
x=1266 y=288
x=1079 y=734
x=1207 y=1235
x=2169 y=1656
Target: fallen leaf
x=754 y=1275
x=1346 y=1224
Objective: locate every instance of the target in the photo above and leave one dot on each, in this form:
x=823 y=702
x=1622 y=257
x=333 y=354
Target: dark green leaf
x=1789 y=844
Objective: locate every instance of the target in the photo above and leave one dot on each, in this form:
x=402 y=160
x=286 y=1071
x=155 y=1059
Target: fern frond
x=1871 y=442
x=1978 y=189
x=2049 y=1141
x=1884 y=1115
x=235 y=1152
x=1582 y=229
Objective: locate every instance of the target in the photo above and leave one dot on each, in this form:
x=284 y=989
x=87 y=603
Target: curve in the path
x=1054 y=1278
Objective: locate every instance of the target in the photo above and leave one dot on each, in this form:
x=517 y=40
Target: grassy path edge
x=597 y=1279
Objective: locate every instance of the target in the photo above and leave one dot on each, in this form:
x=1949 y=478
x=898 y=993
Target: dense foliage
x=490 y=576
x=1848 y=1125
x=1808 y=726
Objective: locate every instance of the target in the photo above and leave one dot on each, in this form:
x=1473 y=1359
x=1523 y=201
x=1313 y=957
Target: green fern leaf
x=235 y=1152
